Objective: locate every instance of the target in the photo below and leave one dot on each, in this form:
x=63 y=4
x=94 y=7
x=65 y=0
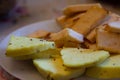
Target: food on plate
x=89 y=33
x=108 y=41
x=109 y=69
x=68 y=21
x=39 y=34
x=53 y=69
x=89 y=45
x=88 y=21
x=91 y=36
x=74 y=57
x=114 y=26
x=110 y=18
x=43 y=54
x=19 y=46
x=66 y=35
x=72 y=44
x=73 y=9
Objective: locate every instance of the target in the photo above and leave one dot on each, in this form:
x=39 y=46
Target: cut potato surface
x=110 y=68
x=43 y=54
x=53 y=69
x=19 y=46
x=73 y=57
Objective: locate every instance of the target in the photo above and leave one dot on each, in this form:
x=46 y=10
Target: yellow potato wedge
x=43 y=54
x=53 y=69
x=74 y=57
x=109 y=69
x=19 y=46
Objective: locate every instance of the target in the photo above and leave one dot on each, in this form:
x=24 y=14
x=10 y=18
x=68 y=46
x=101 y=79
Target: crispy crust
x=72 y=9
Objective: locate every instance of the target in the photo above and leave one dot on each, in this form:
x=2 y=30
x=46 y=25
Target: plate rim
x=7 y=37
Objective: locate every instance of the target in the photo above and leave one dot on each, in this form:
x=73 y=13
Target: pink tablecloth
x=5 y=76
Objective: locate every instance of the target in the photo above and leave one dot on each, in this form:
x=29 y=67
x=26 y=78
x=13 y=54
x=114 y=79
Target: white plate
x=24 y=70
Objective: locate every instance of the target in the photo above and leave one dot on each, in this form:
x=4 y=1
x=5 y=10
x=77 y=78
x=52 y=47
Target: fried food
x=108 y=41
x=68 y=22
x=66 y=35
x=73 y=9
x=88 y=21
x=39 y=34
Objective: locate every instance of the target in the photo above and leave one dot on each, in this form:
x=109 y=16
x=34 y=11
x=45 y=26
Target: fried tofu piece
x=90 y=45
x=66 y=35
x=72 y=9
x=108 y=41
x=39 y=34
x=88 y=21
x=72 y=44
x=110 y=18
x=92 y=36
x=114 y=26
x=68 y=22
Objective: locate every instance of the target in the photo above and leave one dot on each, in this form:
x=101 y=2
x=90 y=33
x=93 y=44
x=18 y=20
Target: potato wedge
x=109 y=69
x=53 y=69
x=74 y=57
x=43 y=54
x=19 y=46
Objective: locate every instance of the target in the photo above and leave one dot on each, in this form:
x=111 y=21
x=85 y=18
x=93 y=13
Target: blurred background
x=17 y=13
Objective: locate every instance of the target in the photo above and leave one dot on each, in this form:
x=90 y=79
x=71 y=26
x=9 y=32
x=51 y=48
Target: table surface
x=38 y=10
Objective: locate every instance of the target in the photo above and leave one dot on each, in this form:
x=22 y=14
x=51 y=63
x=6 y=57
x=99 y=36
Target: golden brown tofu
x=88 y=21
x=66 y=35
x=39 y=34
x=68 y=22
x=90 y=45
x=72 y=9
x=110 y=18
x=108 y=41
